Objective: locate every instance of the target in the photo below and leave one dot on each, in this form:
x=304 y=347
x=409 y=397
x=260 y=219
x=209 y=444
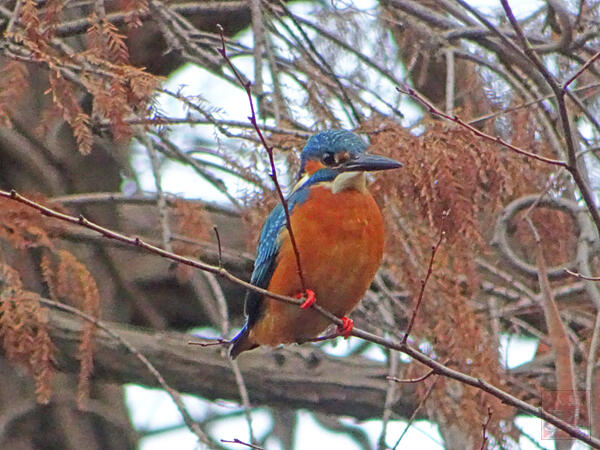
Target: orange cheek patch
x=312 y=166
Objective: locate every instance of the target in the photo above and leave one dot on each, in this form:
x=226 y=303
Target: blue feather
x=331 y=141
x=269 y=242
x=320 y=148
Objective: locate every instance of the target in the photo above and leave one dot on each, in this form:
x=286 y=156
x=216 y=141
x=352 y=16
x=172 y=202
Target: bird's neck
x=337 y=182
x=349 y=180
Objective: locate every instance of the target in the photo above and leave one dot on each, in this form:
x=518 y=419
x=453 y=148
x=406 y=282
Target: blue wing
x=264 y=265
x=269 y=244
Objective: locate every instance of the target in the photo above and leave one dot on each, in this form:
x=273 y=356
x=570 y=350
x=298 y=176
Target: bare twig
x=527 y=104
x=454 y=118
x=243 y=390
x=424 y=281
x=389 y=398
x=561 y=346
x=213 y=343
x=161 y=202
x=412 y=380
x=324 y=66
x=80 y=26
x=221 y=302
x=592 y=385
x=582 y=69
x=414 y=413
x=273 y=174
x=258 y=33
x=185 y=158
x=581 y=276
x=438 y=367
x=216 y=230
x=245 y=444
x=14 y=17
x=560 y=93
x=175 y=396
x=449 y=54
x=484 y=425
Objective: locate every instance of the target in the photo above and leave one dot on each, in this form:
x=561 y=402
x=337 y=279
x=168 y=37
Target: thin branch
x=221 y=302
x=269 y=149
x=582 y=69
x=216 y=230
x=258 y=34
x=245 y=444
x=564 y=116
x=563 y=352
x=527 y=104
x=162 y=120
x=329 y=73
x=414 y=414
x=581 y=276
x=484 y=425
x=323 y=32
x=412 y=380
x=243 y=390
x=206 y=8
x=389 y=398
x=161 y=202
x=217 y=183
x=412 y=352
x=175 y=396
x=456 y=119
x=592 y=385
x=137 y=242
x=223 y=311
x=14 y=17
x=434 y=250
x=450 y=82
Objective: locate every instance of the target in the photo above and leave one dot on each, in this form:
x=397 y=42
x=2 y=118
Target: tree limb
x=298 y=378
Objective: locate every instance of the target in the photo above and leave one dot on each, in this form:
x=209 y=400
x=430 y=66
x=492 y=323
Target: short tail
x=241 y=343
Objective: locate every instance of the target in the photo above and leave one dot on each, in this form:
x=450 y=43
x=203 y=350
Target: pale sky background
x=153 y=409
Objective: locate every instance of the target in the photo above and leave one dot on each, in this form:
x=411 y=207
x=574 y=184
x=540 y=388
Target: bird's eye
x=328 y=159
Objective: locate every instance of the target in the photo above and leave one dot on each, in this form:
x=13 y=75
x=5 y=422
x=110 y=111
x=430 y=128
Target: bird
x=339 y=235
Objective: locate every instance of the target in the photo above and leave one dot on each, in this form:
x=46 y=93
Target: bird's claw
x=345 y=329
x=311 y=298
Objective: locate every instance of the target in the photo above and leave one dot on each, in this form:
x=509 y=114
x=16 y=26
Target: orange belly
x=340 y=241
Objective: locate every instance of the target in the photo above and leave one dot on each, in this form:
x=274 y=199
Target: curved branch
x=438 y=368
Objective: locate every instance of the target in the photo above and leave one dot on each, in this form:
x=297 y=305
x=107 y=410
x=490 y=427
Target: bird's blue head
x=340 y=151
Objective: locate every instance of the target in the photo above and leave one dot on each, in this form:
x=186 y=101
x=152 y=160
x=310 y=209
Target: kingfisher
x=338 y=230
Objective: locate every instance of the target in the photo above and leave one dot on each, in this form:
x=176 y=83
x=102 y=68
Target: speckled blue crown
x=332 y=141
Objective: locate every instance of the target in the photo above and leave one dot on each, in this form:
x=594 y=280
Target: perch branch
x=438 y=367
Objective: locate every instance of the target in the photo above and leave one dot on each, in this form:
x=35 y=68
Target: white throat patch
x=349 y=180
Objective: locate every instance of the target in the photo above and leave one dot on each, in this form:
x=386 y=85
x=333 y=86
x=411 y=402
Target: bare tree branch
x=438 y=367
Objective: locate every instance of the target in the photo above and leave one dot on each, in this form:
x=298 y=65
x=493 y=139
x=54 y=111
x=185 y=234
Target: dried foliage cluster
x=310 y=72
x=193 y=221
x=455 y=185
x=69 y=281
x=24 y=331
x=24 y=327
x=100 y=70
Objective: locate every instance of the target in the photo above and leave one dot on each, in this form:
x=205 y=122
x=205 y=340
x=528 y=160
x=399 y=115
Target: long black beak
x=370 y=163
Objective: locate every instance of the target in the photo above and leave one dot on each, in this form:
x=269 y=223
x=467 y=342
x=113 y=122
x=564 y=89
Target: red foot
x=346 y=328
x=311 y=298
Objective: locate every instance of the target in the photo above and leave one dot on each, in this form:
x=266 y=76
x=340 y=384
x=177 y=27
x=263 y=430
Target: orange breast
x=340 y=240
